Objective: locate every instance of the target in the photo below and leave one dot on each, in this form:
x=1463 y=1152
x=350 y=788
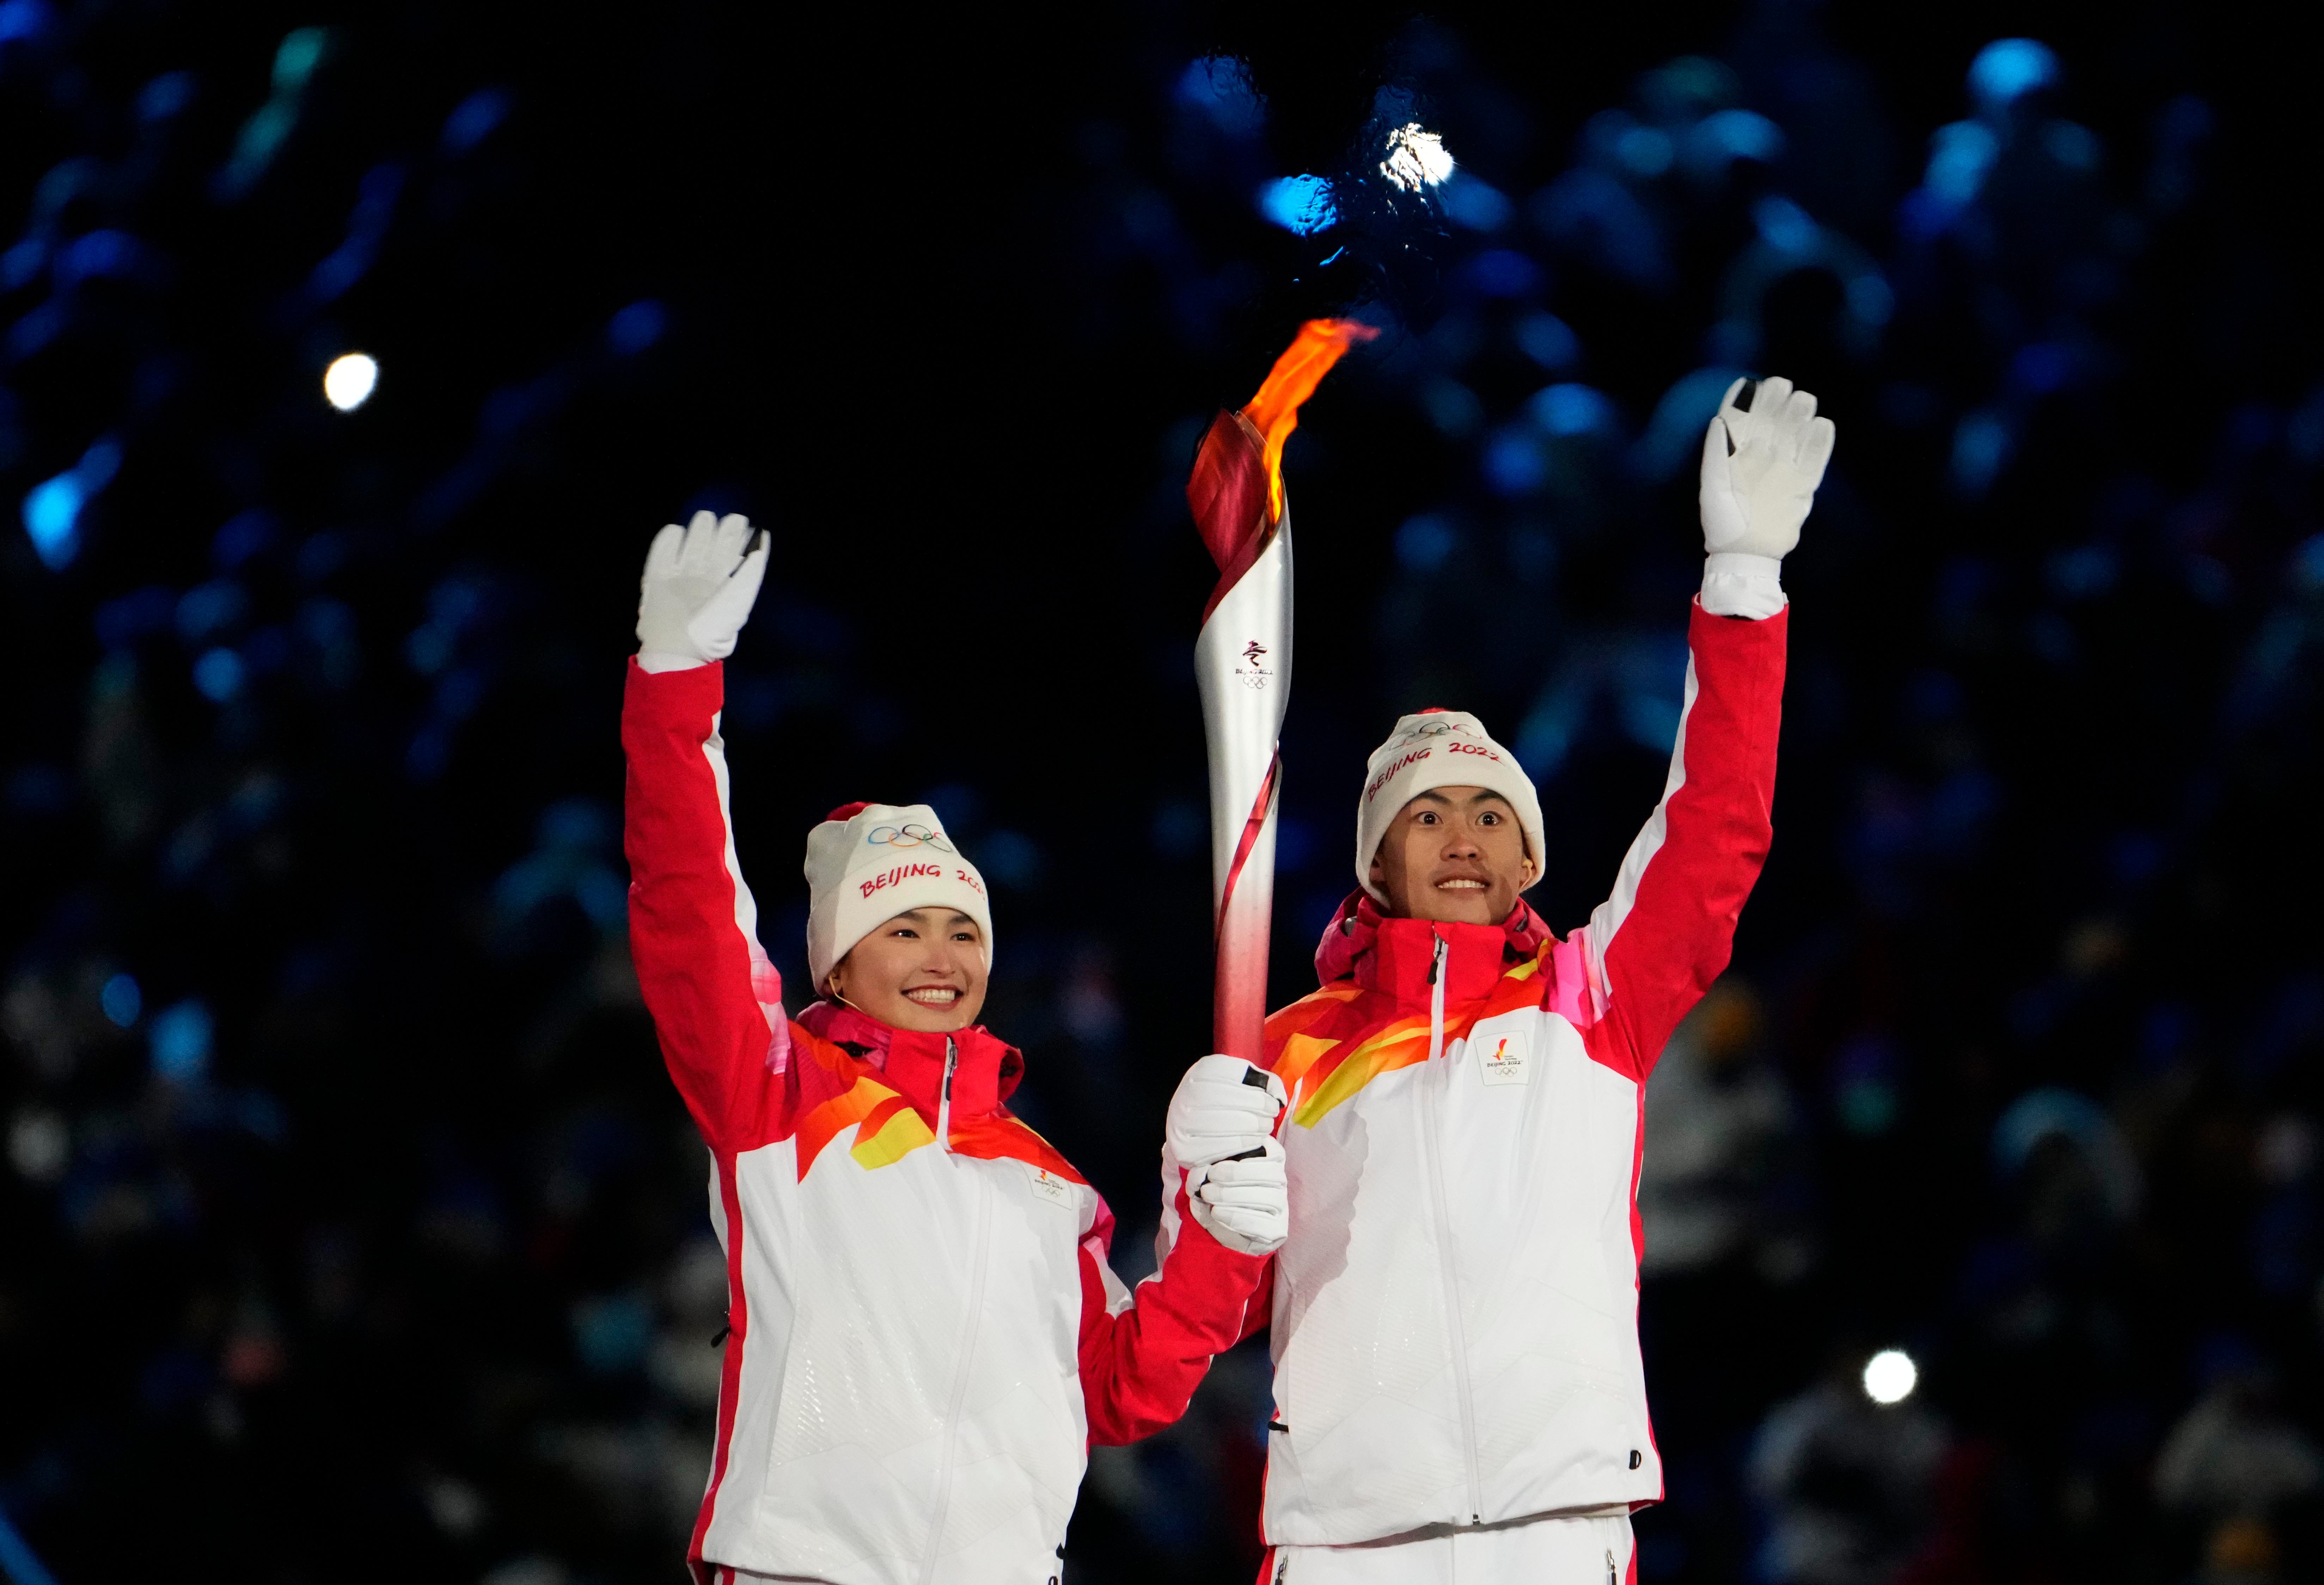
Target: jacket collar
x=911 y=1062
x=1394 y=957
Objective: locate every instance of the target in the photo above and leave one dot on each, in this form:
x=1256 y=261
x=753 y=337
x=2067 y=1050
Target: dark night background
x=348 y=1228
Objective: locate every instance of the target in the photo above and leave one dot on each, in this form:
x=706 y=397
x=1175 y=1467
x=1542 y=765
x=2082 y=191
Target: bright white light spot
x=348 y=382
x=1415 y=159
x=1890 y=1376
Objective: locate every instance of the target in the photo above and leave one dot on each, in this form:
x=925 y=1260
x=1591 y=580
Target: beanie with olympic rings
x=867 y=863
x=1437 y=748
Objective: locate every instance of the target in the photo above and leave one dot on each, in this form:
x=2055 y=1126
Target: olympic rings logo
x=909 y=836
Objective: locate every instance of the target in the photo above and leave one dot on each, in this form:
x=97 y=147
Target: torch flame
x=1235 y=488
x=1274 y=412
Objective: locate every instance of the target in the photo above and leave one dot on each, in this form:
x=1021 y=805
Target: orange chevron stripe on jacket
x=888 y=1127
x=1333 y=1042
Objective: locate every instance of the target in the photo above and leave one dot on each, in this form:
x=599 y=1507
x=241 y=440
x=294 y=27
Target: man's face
x=1454 y=853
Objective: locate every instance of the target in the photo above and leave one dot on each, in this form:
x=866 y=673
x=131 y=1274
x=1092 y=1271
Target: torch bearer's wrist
x=1736 y=584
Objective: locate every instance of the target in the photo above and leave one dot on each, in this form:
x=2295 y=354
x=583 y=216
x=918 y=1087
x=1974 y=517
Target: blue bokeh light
x=1729 y=135
x=1219 y=87
x=1301 y=205
x=123 y=1001
x=180 y=1042
x=1426 y=542
x=1982 y=443
x=637 y=327
x=218 y=675
x=1472 y=203
x=1013 y=859
x=245 y=535
x=166 y=95
x=2007 y=69
x=101 y=255
x=22 y=264
x=1504 y=272
x=1570 y=410
x=1513 y=463
x=53 y=518
x=1784 y=225
x=24 y=18
x=1672 y=439
x=1960 y=156
x=52 y=508
x=1548 y=341
x=474 y=119
x=210 y=608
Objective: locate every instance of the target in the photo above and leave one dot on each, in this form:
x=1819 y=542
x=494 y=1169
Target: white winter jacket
x=924 y=1334
x=1455 y=1319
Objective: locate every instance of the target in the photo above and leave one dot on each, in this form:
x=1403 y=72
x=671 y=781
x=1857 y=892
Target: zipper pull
x=1436 y=960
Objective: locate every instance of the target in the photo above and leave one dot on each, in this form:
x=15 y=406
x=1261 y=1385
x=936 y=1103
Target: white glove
x=1246 y=1204
x=1223 y=1107
x=1760 y=470
x=698 y=587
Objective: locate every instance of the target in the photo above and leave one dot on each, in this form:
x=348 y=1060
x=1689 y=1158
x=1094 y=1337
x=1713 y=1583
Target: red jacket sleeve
x=717 y=1001
x=1657 y=945
x=1143 y=1353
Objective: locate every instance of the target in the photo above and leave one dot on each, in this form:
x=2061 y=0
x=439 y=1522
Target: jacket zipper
x=944 y=1103
x=968 y=1329
x=1431 y=1144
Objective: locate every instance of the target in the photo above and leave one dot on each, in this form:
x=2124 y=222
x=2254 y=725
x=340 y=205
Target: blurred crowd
x=347 y=1226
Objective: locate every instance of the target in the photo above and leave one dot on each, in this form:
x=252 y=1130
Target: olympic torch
x=1242 y=663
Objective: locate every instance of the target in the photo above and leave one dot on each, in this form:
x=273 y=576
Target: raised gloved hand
x=698 y=587
x=1223 y=1107
x=1246 y=1203
x=1760 y=469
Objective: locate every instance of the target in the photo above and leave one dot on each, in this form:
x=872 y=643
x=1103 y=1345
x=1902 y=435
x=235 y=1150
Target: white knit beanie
x=1438 y=747
x=869 y=863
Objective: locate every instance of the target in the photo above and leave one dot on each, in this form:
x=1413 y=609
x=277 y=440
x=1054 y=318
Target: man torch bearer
x=1243 y=662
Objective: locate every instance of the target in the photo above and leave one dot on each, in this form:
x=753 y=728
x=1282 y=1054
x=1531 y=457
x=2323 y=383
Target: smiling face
x=922 y=970
x=1454 y=853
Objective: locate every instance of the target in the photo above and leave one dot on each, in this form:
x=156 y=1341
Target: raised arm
x=715 y=998
x=1656 y=946
x=1144 y=1351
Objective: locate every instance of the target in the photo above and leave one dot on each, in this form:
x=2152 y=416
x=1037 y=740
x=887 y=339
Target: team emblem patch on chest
x=1504 y=1061
x=1049 y=1186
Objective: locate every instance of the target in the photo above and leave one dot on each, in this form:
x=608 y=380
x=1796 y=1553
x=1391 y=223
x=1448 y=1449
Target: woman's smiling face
x=922 y=970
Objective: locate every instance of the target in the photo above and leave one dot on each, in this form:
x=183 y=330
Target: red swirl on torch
x=1243 y=662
